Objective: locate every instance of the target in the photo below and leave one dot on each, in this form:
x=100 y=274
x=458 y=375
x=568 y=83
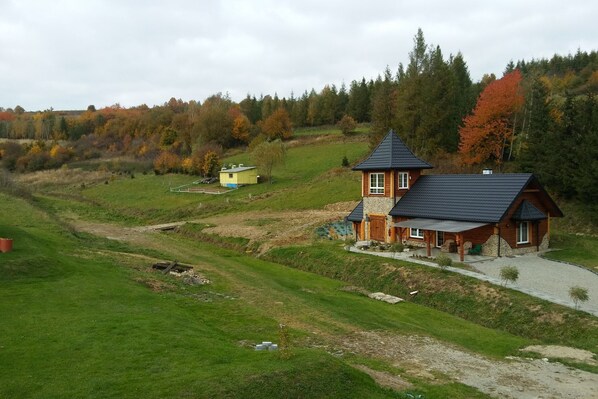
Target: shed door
x=377 y=228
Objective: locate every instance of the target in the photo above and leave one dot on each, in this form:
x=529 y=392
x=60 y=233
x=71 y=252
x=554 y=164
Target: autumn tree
x=491 y=129
x=241 y=128
x=211 y=164
x=347 y=125
x=167 y=162
x=268 y=154
x=278 y=125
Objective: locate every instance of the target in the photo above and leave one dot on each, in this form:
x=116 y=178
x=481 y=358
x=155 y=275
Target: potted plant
x=5 y=245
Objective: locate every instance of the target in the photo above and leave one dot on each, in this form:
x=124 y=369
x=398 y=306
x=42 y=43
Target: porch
x=430 y=229
x=411 y=254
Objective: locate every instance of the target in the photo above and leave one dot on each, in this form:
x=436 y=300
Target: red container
x=5 y=245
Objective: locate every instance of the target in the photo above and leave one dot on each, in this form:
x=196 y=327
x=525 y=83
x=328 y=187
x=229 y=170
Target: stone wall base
x=490 y=247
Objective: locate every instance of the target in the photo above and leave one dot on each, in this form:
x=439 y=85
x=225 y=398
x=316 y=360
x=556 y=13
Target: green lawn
x=327 y=130
x=582 y=250
x=80 y=319
x=310 y=178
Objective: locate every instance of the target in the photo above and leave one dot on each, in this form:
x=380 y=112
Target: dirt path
x=422 y=357
x=510 y=378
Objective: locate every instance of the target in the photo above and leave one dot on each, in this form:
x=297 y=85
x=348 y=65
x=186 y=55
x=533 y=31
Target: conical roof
x=392 y=153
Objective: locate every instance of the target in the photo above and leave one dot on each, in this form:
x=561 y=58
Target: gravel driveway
x=547 y=278
x=539 y=277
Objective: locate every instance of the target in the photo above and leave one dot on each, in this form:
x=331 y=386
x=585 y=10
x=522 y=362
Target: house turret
x=387 y=174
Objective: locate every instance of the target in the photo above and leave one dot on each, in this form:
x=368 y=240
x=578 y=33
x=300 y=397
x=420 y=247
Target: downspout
x=499 y=240
x=537 y=227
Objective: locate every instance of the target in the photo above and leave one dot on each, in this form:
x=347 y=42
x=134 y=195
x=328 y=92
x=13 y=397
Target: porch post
x=461 y=247
x=427 y=235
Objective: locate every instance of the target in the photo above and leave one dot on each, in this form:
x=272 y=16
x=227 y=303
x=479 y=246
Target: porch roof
x=450 y=226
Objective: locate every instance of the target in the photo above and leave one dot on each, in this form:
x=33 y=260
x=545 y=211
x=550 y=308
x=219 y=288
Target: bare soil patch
x=563 y=352
x=425 y=357
x=271 y=228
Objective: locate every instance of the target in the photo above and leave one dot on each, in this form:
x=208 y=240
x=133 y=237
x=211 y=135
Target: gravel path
x=539 y=277
x=547 y=277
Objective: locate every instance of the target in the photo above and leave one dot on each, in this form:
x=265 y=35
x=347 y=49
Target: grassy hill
x=85 y=316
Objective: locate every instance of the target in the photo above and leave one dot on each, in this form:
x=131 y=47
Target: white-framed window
x=403 y=180
x=523 y=233
x=416 y=233
x=376 y=183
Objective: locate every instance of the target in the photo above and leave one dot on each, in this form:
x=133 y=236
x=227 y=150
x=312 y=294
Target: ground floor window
x=416 y=233
x=523 y=233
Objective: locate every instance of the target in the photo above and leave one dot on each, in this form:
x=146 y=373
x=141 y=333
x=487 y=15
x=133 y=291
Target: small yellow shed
x=238 y=176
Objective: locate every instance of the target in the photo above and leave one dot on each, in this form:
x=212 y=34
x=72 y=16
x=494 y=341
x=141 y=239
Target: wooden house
x=497 y=214
x=238 y=176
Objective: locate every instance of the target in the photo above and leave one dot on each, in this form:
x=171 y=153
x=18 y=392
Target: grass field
x=328 y=130
x=311 y=177
x=84 y=316
x=81 y=318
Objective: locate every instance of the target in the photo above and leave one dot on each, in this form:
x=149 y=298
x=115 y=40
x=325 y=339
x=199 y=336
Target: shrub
x=444 y=261
x=578 y=294
x=345 y=162
x=509 y=274
x=397 y=247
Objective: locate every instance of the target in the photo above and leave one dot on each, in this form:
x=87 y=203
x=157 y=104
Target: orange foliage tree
x=241 y=128
x=167 y=162
x=278 y=125
x=487 y=132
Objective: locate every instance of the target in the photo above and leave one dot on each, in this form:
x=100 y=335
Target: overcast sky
x=69 y=54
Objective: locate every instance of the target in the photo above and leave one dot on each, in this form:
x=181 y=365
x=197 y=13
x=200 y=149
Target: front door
x=377 y=228
x=439 y=238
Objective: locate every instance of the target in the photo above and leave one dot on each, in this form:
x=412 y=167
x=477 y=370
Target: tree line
x=540 y=116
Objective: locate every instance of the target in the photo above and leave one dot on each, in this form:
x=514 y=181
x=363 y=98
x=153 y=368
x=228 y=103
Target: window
x=403 y=180
x=230 y=175
x=523 y=233
x=376 y=183
x=416 y=233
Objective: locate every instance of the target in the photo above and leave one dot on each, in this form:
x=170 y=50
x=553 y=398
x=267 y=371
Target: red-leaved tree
x=491 y=128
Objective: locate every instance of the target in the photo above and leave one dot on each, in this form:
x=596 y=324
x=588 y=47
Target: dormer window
x=376 y=183
x=403 y=180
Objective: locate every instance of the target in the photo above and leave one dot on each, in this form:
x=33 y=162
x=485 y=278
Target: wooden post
x=393 y=233
x=461 y=247
x=427 y=236
x=362 y=230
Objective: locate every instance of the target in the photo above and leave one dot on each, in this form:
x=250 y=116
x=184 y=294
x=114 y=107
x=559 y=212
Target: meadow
x=85 y=316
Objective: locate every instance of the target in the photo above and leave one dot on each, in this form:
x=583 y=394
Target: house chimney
x=487 y=171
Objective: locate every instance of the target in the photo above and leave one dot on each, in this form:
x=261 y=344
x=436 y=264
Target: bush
x=397 y=247
x=578 y=294
x=509 y=274
x=444 y=261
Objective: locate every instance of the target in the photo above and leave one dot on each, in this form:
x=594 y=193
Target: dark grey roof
x=392 y=153
x=356 y=214
x=475 y=198
x=527 y=211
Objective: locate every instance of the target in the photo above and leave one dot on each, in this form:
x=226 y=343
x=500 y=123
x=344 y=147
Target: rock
x=380 y=296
